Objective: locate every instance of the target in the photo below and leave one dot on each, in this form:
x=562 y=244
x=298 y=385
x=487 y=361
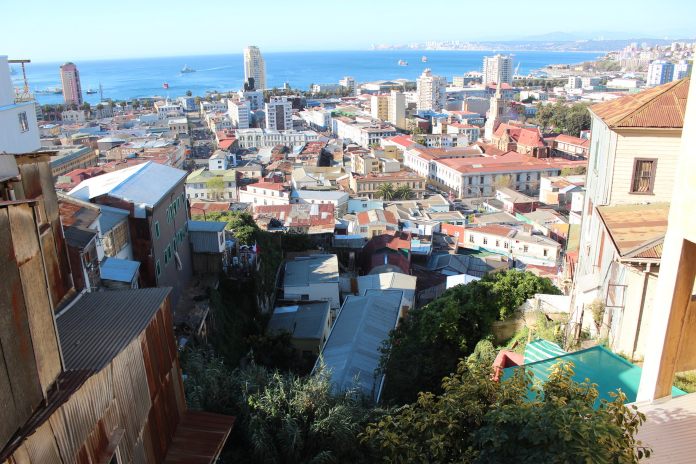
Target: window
x=158 y=268
x=23 y=122
x=497 y=243
x=525 y=248
x=643 y=176
x=546 y=252
x=485 y=240
x=157 y=229
x=505 y=245
x=471 y=238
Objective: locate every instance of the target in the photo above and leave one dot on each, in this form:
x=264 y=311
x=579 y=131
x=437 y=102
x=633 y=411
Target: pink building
x=72 y=90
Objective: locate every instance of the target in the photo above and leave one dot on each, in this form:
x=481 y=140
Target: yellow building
x=379 y=107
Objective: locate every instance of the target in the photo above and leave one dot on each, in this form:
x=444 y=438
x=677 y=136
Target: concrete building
x=365 y=134
x=682 y=69
x=370 y=184
x=279 y=114
x=69 y=158
x=349 y=83
x=154 y=196
x=254 y=67
x=312 y=278
x=431 y=91
x=72 y=89
x=322 y=197
x=396 y=113
x=659 y=72
x=239 y=113
x=515 y=244
x=379 y=107
x=316 y=118
x=625 y=212
x=260 y=138
x=178 y=126
x=264 y=193
x=497 y=68
x=73 y=116
x=216 y=185
x=19 y=131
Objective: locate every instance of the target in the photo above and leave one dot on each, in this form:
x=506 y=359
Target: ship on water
x=403 y=63
x=186 y=70
x=424 y=59
x=90 y=91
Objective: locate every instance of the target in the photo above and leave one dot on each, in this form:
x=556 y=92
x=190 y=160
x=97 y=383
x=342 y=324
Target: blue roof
x=120 y=270
x=206 y=226
x=110 y=216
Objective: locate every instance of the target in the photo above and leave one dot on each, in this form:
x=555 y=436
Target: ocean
x=133 y=78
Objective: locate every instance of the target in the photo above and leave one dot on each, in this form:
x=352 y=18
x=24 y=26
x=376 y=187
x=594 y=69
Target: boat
x=186 y=70
x=50 y=90
x=424 y=59
x=90 y=91
x=403 y=63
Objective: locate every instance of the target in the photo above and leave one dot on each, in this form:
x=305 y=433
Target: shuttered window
x=643 y=176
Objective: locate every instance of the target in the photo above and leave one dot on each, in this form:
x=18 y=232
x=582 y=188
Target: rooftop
x=78 y=236
x=120 y=270
x=637 y=231
x=659 y=107
x=206 y=226
x=376 y=215
x=307 y=270
x=303 y=321
x=74 y=212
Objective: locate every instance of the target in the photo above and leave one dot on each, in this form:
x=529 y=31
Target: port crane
x=24 y=95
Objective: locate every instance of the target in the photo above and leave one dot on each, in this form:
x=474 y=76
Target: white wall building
x=239 y=113
x=264 y=193
x=312 y=278
x=253 y=97
x=431 y=91
x=492 y=65
x=259 y=138
x=349 y=83
x=255 y=67
x=682 y=69
x=316 y=118
x=397 y=109
x=363 y=133
x=660 y=72
x=19 y=131
x=279 y=114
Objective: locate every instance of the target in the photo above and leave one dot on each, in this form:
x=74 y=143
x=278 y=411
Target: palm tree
x=386 y=191
x=403 y=192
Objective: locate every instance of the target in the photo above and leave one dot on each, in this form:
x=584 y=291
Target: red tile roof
x=522 y=135
x=298 y=215
x=493 y=229
x=225 y=144
x=403 y=140
x=268 y=186
x=376 y=215
x=509 y=162
x=572 y=140
x=199 y=207
x=660 y=107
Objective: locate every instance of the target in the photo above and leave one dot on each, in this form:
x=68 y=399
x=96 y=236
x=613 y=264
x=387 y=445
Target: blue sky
x=79 y=29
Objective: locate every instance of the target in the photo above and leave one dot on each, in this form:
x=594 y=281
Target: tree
x=85 y=106
x=189 y=93
x=216 y=187
x=478 y=420
x=574 y=171
x=241 y=224
x=428 y=343
x=403 y=192
x=386 y=191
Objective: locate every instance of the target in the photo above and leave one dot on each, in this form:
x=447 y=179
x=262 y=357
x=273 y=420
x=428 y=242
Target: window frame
x=653 y=172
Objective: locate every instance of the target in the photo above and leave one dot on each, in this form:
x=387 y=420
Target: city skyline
x=151 y=19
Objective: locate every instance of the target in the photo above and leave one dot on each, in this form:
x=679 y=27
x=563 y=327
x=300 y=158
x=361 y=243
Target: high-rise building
x=254 y=67
x=682 y=70
x=497 y=67
x=72 y=90
x=279 y=114
x=239 y=113
x=431 y=91
x=397 y=109
x=379 y=107
x=349 y=83
x=19 y=131
x=660 y=72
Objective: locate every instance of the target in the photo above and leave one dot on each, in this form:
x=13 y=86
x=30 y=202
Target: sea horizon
x=127 y=78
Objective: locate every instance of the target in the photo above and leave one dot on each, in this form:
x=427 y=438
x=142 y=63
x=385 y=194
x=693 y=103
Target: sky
x=44 y=30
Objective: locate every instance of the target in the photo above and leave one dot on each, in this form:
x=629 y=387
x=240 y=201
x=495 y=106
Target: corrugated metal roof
x=670 y=430
x=110 y=216
x=389 y=281
x=145 y=183
x=74 y=212
x=206 y=226
x=79 y=237
x=351 y=353
x=120 y=270
x=98 y=326
x=305 y=321
x=199 y=438
x=315 y=269
x=636 y=229
x=660 y=107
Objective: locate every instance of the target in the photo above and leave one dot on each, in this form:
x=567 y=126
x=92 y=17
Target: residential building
x=316 y=118
x=317 y=177
x=179 y=126
x=254 y=67
x=154 y=196
x=352 y=352
x=69 y=158
x=682 y=69
x=308 y=324
x=73 y=116
x=312 y=278
x=322 y=197
x=513 y=201
x=498 y=69
x=253 y=97
x=622 y=224
x=521 y=246
x=260 y=138
x=365 y=134
x=559 y=190
x=348 y=83
x=659 y=72
x=166 y=109
x=431 y=91
x=396 y=113
x=318 y=221
x=373 y=222
x=379 y=106
x=72 y=89
x=264 y=193
x=19 y=131
x=571 y=147
x=279 y=114
x=369 y=185
x=215 y=185
x=239 y=114
x=574 y=83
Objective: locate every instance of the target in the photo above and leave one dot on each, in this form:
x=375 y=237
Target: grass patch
x=686 y=381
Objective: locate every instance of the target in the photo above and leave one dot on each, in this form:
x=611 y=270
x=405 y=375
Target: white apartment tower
x=279 y=114
x=397 y=109
x=431 y=91
x=682 y=69
x=239 y=113
x=349 y=83
x=255 y=66
x=72 y=90
x=497 y=67
x=660 y=72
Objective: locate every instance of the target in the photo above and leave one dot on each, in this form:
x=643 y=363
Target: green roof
x=204 y=175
